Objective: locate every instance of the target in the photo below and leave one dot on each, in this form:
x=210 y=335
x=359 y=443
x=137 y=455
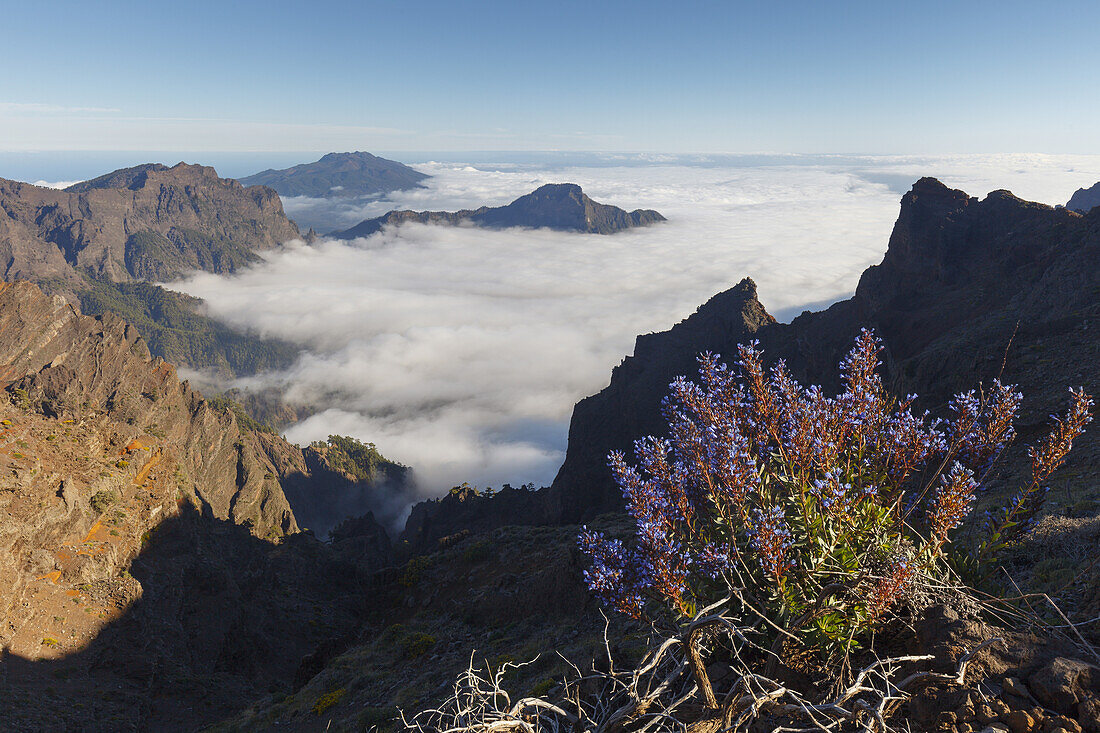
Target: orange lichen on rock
x=54 y=577
x=133 y=445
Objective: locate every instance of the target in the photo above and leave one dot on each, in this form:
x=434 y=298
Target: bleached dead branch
x=670 y=690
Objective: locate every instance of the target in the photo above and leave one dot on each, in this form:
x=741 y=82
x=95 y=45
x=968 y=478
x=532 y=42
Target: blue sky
x=869 y=77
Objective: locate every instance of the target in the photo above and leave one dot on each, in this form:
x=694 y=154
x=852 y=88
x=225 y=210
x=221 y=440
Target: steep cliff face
x=560 y=206
x=149 y=222
x=329 y=481
x=968 y=289
x=628 y=408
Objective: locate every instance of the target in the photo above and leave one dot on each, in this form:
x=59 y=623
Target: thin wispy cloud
x=461 y=351
x=40 y=108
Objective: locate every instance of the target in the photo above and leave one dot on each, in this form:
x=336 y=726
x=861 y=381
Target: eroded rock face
x=69 y=366
x=146 y=547
x=148 y=222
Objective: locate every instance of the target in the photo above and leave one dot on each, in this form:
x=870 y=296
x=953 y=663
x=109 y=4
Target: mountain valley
x=157 y=570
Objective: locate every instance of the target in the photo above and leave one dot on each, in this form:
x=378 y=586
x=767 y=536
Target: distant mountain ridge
x=1085 y=199
x=149 y=222
x=559 y=206
x=340 y=175
x=99 y=243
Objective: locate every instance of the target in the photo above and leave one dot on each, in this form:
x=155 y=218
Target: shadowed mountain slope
x=340 y=175
x=151 y=573
x=560 y=206
x=959 y=279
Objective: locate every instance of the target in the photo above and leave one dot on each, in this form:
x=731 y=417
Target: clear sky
x=818 y=76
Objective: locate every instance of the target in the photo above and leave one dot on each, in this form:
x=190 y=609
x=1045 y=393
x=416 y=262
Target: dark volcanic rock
x=340 y=175
x=560 y=206
x=961 y=281
x=1085 y=199
x=627 y=408
x=465 y=511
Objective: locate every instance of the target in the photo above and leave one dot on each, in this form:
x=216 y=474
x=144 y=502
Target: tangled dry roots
x=669 y=690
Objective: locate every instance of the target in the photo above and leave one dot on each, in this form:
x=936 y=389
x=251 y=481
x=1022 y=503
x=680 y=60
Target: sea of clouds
x=461 y=351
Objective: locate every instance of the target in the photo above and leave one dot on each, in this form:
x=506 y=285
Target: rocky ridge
x=143 y=223
x=968 y=289
x=1085 y=200
x=559 y=206
x=98 y=242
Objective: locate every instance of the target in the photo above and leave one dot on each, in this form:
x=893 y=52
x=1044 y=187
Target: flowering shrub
x=816 y=512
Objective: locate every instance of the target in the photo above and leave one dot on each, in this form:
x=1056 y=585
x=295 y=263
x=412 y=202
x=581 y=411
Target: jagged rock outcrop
x=1085 y=200
x=330 y=481
x=560 y=206
x=144 y=223
x=966 y=288
x=340 y=175
x=70 y=366
x=465 y=511
x=365 y=540
x=624 y=411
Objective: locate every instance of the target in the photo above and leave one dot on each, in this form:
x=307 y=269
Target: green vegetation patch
x=326 y=701
x=101 y=501
x=361 y=460
x=245 y=420
x=177 y=332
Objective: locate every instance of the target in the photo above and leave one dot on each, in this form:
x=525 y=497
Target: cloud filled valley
x=461 y=351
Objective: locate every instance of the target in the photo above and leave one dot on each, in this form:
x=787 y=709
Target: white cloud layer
x=461 y=351
x=55 y=184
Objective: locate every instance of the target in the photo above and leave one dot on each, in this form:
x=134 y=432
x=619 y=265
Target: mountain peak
x=1085 y=199
x=340 y=175
x=131 y=178
x=558 y=206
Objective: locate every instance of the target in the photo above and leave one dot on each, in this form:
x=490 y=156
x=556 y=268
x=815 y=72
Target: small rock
x=1019 y=721
x=1013 y=686
x=1062 y=723
x=984 y=714
x=1088 y=712
x=995 y=728
x=1059 y=685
